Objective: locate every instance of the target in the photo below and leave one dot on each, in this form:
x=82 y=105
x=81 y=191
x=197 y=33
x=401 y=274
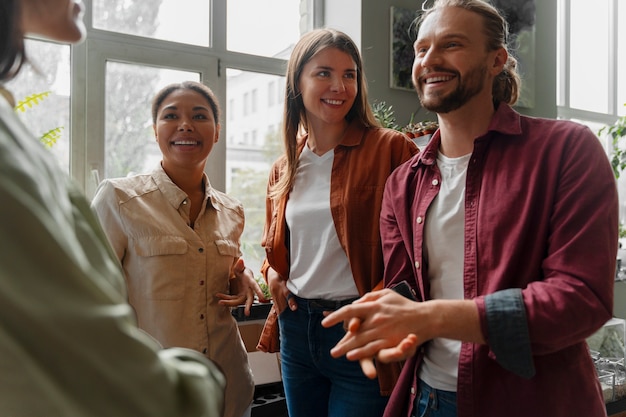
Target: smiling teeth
x=437 y=79
x=334 y=102
x=185 y=142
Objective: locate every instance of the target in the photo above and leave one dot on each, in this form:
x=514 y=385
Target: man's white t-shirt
x=444 y=249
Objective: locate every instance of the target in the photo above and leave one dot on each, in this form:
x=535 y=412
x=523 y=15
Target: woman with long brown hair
x=321 y=233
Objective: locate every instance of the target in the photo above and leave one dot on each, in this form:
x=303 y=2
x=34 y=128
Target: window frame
x=88 y=63
x=564 y=109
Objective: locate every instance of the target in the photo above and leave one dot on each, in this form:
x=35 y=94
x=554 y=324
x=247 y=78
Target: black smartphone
x=403 y=288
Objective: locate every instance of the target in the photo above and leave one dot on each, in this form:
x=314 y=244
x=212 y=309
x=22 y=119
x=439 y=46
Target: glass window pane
x=589 y=72
x=45 y=92
x=253 y=144
x=169 y=20
x=130 y=146
x=560 y=44
x=621 y=59
x=274 y=23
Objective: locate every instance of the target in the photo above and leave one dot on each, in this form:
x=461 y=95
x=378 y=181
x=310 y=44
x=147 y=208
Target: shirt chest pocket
x=160 y=273
x=227 y=248
x=227 y=251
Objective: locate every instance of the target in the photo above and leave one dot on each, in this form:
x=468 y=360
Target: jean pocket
x=423 y=404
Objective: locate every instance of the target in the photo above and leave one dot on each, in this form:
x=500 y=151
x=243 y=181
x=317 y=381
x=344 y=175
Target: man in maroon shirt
x=504 y=228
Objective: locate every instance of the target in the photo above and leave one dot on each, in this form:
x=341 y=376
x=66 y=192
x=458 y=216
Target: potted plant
x=416 y=131
x=385 y=115
x=425 y=127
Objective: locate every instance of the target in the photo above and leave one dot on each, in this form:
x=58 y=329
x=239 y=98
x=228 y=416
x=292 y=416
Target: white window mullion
x=564 y=54
x=613 y=56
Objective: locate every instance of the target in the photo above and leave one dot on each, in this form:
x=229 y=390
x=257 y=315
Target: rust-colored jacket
x=363 y=161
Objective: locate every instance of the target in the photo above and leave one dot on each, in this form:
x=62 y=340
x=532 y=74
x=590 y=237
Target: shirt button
x=200 y=250
x=412 y=390
x=417 y=265
x=201 y=316
x=185 y=202
x=201 y=282
x=204 y=350
x=435 y=182
x=419 y=220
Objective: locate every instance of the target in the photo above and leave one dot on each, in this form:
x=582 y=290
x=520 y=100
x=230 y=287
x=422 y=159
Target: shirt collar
x=353 y=136
x=505 y=121
x=174 y=195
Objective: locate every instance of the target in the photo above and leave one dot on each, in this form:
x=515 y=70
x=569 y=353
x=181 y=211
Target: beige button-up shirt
x=174 y=271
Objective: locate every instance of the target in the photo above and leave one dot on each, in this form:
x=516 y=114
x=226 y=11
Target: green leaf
x=385 y=115
x=617 y=132
x=31 y=100
x=51 y=137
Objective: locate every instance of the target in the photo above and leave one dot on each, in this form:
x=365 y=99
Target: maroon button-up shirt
x=541 y=228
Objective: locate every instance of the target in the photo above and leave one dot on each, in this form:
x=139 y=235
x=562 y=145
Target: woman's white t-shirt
x=319 y=266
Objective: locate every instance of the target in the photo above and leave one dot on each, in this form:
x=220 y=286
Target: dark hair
x=507 y=85
x=294 y=117
x=12 y=53
x=186 y=85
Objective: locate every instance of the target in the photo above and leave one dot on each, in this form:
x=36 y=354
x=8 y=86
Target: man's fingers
x=356 y=346
x=404 y=350
x=345 y=313
x=342 y=347
x=354 y=324
x=370 y=296
x=332 y=318
x=368 y=367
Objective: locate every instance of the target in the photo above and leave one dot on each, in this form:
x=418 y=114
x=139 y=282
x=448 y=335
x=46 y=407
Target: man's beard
x=468 y=87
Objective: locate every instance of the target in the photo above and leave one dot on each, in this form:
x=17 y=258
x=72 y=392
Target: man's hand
x=386 y=326
x=374 y=330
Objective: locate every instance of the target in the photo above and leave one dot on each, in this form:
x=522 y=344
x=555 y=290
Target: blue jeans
x=316 y=384
x=431 y=402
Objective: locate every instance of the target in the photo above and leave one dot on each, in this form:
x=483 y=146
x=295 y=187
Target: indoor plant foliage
x=617 y=155
x=385 y=115
x=617 y=132
x=50 y=137
x=417 y=129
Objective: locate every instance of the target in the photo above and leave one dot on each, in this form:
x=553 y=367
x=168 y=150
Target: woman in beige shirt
x=178 y=240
